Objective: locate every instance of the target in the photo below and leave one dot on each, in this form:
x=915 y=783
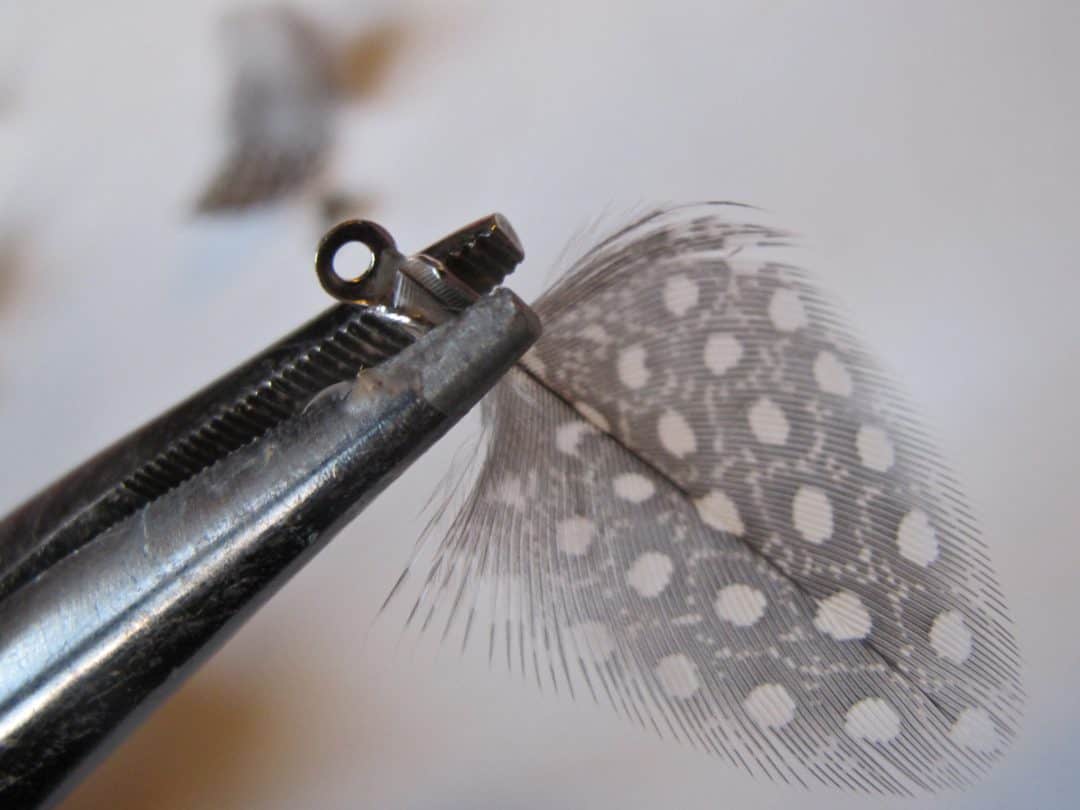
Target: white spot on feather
x=875 y=449
x=573 y=535
x=872 y=719
x=650 y=574
x=950 y=636
x=718 y=511
x=786 y=310
x=675 y=433
x=722 y=352
x=768 y=423
x=770 y=706
x=812 y=514
x=678 y=676
x=680 y=295
x=843 y=616
x=831 y=376
x=631 y=367
x=633 y=487
x=916 y=538
x=742 y=605
x=569 y=435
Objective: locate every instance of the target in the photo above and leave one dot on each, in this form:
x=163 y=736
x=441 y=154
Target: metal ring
x=372 y=236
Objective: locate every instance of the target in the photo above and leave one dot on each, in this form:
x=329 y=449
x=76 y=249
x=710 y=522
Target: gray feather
x=281 y=108
x=704 y=503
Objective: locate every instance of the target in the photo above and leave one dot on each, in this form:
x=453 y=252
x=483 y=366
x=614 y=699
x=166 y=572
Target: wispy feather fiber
x=702 y=502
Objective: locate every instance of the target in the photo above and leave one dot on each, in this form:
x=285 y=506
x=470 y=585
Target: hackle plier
x=118 y=580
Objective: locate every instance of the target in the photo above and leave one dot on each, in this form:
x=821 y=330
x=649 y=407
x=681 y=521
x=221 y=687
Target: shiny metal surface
x=244 y=404
x=442 y=279
x=231 y=412
x=97 y=640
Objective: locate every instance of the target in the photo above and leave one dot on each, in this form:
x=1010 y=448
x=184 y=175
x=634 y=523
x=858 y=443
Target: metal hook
x=373 y=286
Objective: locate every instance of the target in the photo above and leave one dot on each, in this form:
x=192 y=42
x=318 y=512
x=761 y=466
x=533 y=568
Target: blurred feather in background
x=289 y=78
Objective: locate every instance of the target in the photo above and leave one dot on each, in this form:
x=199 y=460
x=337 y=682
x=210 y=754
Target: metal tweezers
x=122 y=577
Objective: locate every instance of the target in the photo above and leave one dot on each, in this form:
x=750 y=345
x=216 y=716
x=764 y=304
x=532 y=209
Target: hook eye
x=374 y=237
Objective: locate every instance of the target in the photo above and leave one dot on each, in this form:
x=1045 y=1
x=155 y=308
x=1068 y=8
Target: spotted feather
x=702 y=502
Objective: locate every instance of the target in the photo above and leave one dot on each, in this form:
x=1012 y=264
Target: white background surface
x=927 y=151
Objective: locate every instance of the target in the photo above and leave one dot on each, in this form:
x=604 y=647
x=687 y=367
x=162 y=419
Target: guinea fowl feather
x=701 y=501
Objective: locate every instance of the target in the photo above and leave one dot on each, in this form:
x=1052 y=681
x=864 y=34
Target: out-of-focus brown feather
x=289 y=79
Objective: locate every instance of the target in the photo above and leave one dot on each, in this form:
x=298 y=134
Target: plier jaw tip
x=123 y=576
